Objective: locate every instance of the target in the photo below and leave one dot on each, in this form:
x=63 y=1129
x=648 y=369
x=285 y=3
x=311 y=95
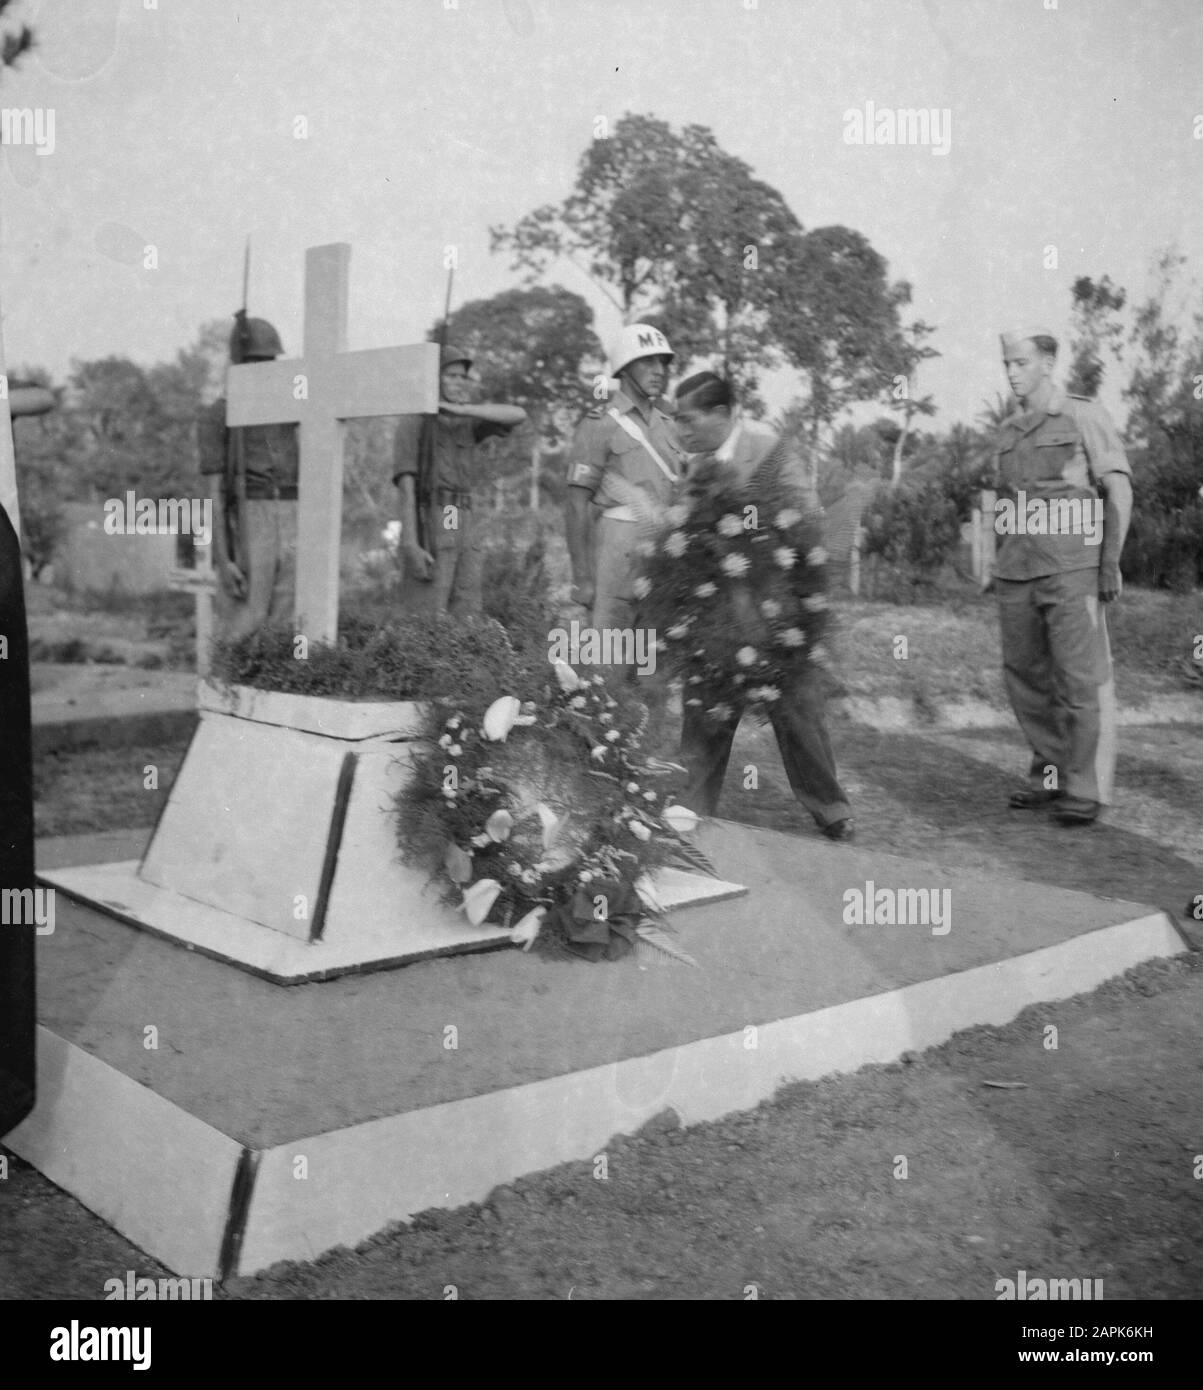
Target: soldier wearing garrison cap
x=625 y=460
x=436 y=467
x=252 y=476
x=1064 y=503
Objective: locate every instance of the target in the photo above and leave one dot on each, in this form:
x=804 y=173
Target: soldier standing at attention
x=623 y=455
x=1058 y=561
x=252 y=477
x=436 y=470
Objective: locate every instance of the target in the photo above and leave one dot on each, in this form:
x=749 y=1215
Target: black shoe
x=1076 y=810
x=1034 y=798
x=840 y=829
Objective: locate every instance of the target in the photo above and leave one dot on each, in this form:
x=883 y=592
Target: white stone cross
x=319 y=391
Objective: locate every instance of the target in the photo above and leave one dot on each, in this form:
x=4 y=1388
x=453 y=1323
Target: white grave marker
x=319 y=391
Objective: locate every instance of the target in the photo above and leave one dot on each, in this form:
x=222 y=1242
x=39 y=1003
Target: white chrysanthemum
x=817 y=556
x=706 y=590
x=820 y=654
x=786 y=556
x=641 y=587
x=729 y=525
x=675 y=516
x=678 y=631
x=765 y=693
x=675 y=544
x=746 y=656
x=613 y=736
x=771 y=608
x=639 y=830
x=815 y=603
x=793 y=637
x=721 y=712
x=735 y=565
x=787 y=517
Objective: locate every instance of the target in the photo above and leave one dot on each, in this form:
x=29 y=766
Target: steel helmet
x=637 y=340
x=254 y=338
x=449 y=355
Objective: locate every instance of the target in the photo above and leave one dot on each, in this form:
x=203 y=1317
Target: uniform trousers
x=799 y=724
x=457 y=584
x=270 y=548
x=1057 y=670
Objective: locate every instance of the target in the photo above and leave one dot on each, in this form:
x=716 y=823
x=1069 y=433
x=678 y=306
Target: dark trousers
x=799 y=724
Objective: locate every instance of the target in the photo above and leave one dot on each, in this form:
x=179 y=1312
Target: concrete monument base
x=224 y=1124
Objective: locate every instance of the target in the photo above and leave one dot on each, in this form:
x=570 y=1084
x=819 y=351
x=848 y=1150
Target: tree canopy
x=673 y=227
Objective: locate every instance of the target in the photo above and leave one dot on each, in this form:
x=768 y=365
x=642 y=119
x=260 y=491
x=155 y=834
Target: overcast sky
x=1071 y=127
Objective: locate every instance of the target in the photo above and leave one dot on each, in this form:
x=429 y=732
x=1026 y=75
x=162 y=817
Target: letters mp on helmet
x=635 y=341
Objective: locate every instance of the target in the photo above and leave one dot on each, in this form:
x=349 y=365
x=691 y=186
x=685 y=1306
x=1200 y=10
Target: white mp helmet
x=637 y=340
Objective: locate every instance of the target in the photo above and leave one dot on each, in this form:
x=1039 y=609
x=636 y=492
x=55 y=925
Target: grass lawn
x=953 y=651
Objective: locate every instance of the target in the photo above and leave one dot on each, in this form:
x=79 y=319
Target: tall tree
x=670 y=225
x=904 y=399
x=1162 y=347
x=1096 y=328
x=837 y=318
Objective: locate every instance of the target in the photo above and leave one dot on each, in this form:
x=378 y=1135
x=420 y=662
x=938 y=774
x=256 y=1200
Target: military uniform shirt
x=602 y=451
x=1058 y=453
x=456 y=464
x=271 y=451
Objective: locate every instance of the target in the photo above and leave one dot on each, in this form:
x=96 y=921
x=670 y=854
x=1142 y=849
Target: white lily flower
x=524 y=932
x=640 y=831
x=500 y=718
x=566 y=676
x=499 y=825
x=647 y=895
x=551 y=823
x=599 y=752
x=479 y=898
x=680 y=818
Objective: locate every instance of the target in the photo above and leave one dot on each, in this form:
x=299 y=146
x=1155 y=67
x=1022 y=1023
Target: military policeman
x=252 y=475
x=436 y=470
x=1064 y=503
x=732 y=451
x=625 y=459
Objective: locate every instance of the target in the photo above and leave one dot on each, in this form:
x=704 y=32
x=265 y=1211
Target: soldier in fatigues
x=729 y=450
x=436 y=468
x=625 y=459
x=252 y=475
x=1064 y=503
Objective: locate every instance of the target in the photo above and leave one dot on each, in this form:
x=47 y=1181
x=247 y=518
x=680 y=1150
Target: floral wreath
x=734 y=584
x=553 y=833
